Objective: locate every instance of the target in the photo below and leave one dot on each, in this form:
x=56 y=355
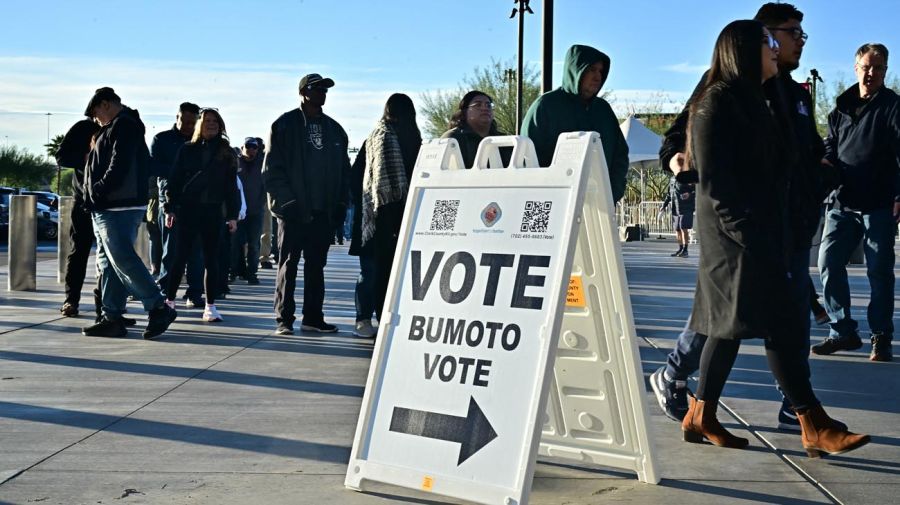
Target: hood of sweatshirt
x=578 y=59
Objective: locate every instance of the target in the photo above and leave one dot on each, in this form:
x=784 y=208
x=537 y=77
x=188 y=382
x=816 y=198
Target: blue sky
x=245 y=58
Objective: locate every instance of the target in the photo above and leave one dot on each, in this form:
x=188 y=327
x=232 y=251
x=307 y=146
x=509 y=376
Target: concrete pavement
x=231 y=414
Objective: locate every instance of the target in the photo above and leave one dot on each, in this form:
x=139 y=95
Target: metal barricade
x=22 y=243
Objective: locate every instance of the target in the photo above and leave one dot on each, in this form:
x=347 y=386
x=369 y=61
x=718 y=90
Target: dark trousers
x=224 y=252
x=311 y=240
x=204 y=224
x=788 y=359
x=194 y=262
x=155 y=246
x=247 y=234
x=82 y=236
x=387 y=228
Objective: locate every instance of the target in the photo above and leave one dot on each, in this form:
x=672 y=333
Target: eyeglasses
x=770 y=40
x=796 y=32
x=481 y=105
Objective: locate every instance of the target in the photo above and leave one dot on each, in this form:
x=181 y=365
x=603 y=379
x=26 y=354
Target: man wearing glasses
x=864 y=145
x=809 y=186
x=575 y=106
x=306 y=175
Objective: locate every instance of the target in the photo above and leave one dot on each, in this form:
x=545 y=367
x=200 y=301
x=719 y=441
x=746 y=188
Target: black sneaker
x=683 y=253
x=284 y=329
x=881 y=348
x=252 y=279
x=787 y=418
x=831 y=344
x=106 y=328
x=321 y=327
x=127 y=321
x=677 y=253
x=265 y=265
x=159 y=321
x=672 y=396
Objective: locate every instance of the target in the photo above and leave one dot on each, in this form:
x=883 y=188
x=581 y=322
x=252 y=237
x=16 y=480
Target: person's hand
x=232 y=225
x=827 y=163
x=685 y=196
x=896 y=212
x=170 y=220
x=676 y=164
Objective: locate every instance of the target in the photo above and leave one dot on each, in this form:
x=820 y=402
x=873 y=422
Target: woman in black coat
x=202 y=186
x=739 y=152
x=391 y=152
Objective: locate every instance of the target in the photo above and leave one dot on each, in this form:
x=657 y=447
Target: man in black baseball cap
x=315 y=80
x=104 y=94
x=306 y=176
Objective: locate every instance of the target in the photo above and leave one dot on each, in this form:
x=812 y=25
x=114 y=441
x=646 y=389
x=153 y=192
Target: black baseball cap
x=103 y=94
x=315 y=80
x=251 y=141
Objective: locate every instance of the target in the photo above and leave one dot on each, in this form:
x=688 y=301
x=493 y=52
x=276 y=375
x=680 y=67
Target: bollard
x=22 y=243
x=64 y=240
x=142 y=244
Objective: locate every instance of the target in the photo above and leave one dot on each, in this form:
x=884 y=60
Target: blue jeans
x=685 y=358
x=843 y=231
x=121 y=269
x=194 y=264
x=365 y=288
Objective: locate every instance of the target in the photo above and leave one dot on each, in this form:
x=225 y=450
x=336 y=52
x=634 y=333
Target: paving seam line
x=126 y=416
x=747 y=426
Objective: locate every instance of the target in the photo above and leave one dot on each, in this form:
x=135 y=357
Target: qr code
x=536 y=217
x=444 y=217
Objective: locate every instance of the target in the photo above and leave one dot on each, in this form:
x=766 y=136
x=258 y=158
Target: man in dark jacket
x=163 y=150
x=682 y=197
x=115 y=186
x=794 y=109
x=72 y=153
x=864 y=144
x=575 y=106
x=249 y=229
x=306 y=175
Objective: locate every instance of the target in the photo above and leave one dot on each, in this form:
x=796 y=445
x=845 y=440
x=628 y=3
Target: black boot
x=684 y=251
x=678 y=252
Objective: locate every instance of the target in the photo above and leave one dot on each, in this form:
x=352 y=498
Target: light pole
x=521 y=10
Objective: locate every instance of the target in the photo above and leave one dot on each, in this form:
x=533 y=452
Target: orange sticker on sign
x=575 y=293
x=427 y=483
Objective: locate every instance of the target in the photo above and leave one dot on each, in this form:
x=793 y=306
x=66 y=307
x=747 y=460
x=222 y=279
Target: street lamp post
x=521 y=10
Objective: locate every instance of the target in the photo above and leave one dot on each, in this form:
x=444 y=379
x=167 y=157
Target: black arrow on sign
x=472 y=432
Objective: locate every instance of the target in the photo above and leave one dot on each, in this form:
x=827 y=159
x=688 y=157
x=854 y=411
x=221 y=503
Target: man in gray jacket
x=306 y=175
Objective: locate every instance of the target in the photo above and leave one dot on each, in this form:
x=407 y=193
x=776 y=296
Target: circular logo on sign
x=491 y=214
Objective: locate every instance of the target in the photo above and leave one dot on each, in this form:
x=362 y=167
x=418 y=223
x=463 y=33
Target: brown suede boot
x=820 y=436
x=700 y=422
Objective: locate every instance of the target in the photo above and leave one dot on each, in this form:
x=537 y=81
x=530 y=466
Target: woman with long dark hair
x=391 y=151
x=740 y=154
x=202 y=184
x=472 y=121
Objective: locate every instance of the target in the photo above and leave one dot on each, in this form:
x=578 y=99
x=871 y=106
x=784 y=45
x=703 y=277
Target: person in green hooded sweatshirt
x=575 y=106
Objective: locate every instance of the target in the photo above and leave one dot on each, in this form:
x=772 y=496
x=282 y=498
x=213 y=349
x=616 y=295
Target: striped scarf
x=385 y=178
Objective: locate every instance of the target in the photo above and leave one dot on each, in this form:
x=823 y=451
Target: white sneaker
x=365 y=329
x=211 y=315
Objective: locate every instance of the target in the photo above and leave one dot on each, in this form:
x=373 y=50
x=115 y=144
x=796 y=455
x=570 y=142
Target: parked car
x=47 y=217
x=47 y=198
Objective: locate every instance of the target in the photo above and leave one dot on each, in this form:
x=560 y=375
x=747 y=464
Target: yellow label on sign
x=427 y=483
x=575 y=293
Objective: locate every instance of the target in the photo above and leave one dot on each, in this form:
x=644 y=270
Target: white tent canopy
x=643 y=144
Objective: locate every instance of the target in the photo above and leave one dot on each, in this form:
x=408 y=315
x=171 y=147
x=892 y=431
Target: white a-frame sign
x=457 y=391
